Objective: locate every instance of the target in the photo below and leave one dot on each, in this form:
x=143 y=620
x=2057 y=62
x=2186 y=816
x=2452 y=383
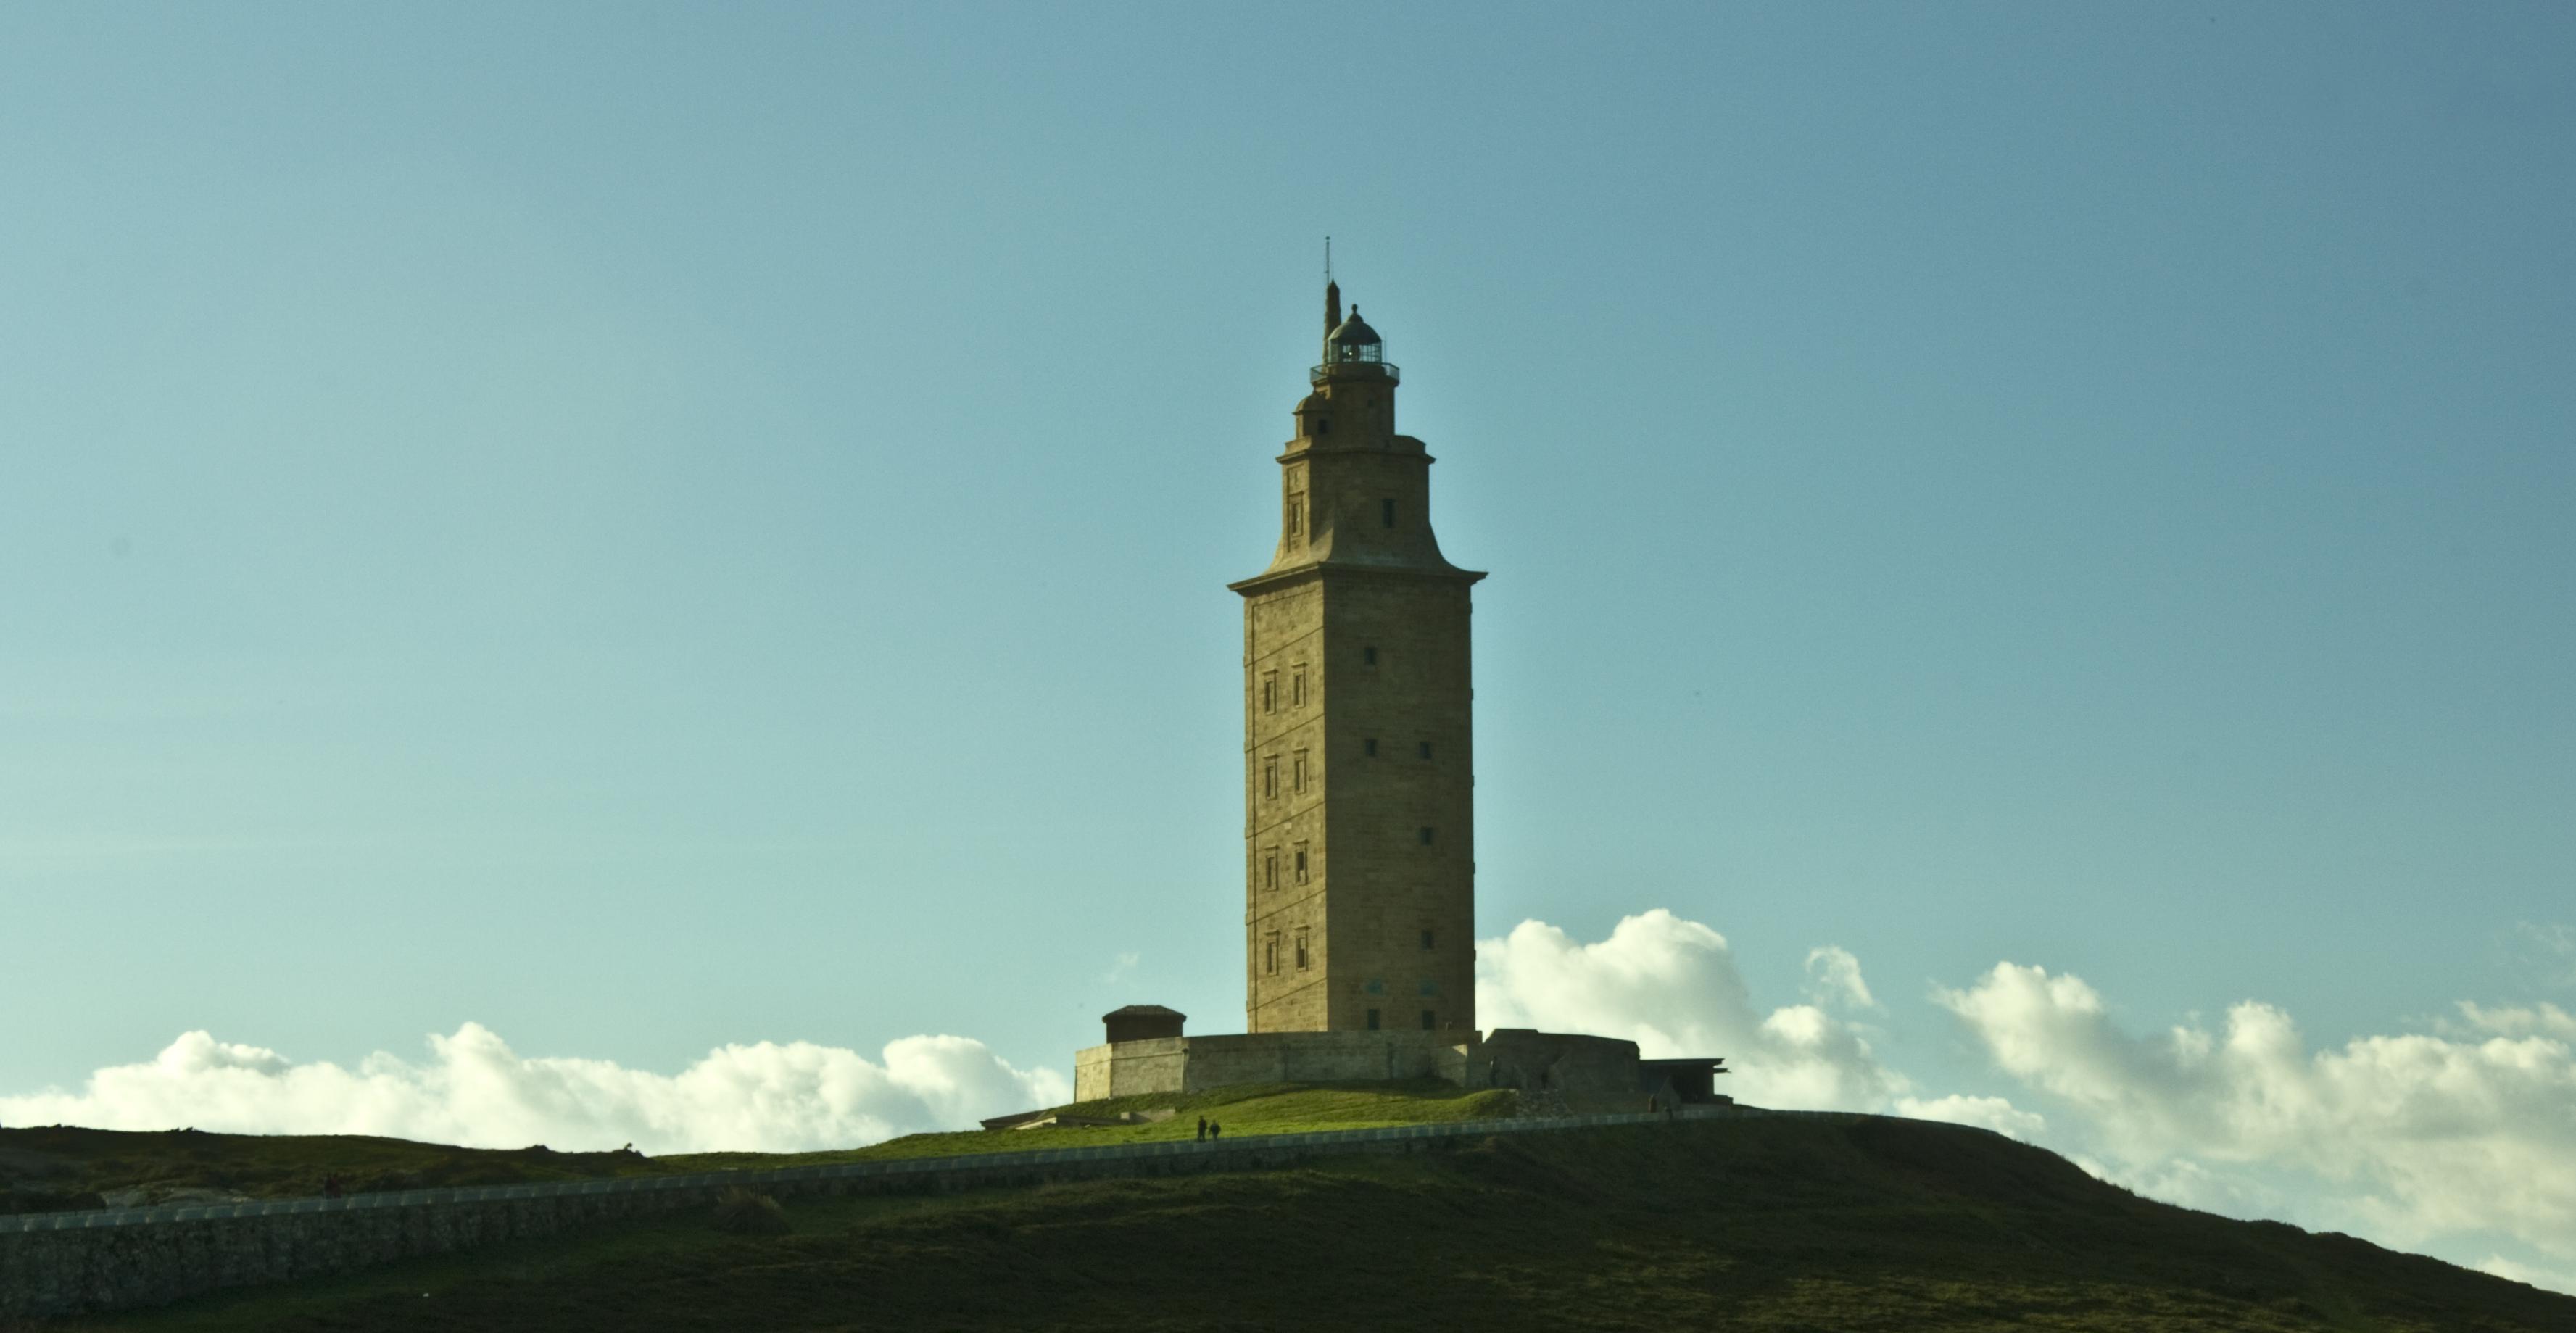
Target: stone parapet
x=1173 y=1065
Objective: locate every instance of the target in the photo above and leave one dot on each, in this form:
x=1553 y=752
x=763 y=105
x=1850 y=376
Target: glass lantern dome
x=1353 y=345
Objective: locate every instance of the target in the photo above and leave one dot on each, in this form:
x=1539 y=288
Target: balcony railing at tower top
x=1353 y=370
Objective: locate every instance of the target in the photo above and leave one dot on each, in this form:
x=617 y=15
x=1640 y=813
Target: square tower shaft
x=1359 y=808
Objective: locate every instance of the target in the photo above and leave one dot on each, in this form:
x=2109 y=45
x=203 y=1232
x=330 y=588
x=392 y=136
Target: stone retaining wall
x=117 y=1259
x=1161 y=1065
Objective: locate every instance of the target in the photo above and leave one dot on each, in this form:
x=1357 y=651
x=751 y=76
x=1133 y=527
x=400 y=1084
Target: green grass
x=1771 y=1224
x=1244 y=1111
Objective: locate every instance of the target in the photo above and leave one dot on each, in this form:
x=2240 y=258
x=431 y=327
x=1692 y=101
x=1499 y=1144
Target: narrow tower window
x=1386 y=513
x=1426 y=1020
x=1368 y=748
x=1372 y=1020
x=1426 y=939
x=1300 y=771
x=1426 y=835
x=1297 y=689
x=1269 y=691
x=1368 y=655
x=1301 y=863
x=1270 y=954
x=1301 y=951
x=1270 y=777
x=1269 y=867
x=1425 y=747
x=1297 y=518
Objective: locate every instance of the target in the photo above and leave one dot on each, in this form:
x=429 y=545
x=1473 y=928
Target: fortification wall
x=1130 y=1068
x=1320 y=1057
x=1196 y=1064
x=1567 y=1061
x=119 y=1259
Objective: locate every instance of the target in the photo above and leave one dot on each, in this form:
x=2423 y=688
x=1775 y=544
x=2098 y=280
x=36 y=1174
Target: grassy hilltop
x=1757 y=1224
x=59 y=1167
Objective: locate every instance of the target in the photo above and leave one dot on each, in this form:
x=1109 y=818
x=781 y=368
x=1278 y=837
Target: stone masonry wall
x=1196 y=1064
x=1319 y=1057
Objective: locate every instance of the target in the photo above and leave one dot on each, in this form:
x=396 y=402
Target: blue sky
x=653 y=527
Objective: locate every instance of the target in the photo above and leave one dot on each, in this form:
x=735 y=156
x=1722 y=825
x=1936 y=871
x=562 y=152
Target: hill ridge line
x=97 y=1218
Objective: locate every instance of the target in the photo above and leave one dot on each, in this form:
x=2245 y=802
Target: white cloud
x=2549 y=951
x=474 y=1090
x=2419 y=1134
x=1119 y=967
x=1833 y=977
x=1671 y=986
x=2456 y=1135
x=2547 y=1279
x=1993 y=1113
x=2539 y=1020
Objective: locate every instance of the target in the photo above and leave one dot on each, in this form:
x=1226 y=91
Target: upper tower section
x=1354 y=494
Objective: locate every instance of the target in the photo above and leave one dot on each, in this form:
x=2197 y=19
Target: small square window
x=1425 y=749
x=1368 y=655
x=1372 y=1020
x=1426 y=835
x=1426 y=939
x=1427 y=1024
x=1368 y=748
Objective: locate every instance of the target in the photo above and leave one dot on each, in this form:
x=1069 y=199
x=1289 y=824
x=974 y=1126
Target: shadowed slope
x=59 y=1167
x=1755 y=1223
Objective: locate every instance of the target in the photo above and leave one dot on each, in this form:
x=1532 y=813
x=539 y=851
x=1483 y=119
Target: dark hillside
x=54 y=1167
x=1756 y=1223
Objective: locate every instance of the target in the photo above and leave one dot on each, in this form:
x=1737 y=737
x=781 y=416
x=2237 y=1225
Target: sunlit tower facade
x=1359 y=777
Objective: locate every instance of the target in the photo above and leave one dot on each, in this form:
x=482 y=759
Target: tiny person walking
x=1202 y=1129
x=1215 y=1130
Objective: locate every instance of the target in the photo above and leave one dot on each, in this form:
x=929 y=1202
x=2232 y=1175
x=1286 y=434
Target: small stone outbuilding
x=1143 y=1022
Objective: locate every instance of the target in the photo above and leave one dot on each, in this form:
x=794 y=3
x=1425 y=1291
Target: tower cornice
x=1272 y=579
x=1400 y=446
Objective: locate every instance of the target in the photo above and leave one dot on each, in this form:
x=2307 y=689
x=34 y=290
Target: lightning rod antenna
x=1332 y=294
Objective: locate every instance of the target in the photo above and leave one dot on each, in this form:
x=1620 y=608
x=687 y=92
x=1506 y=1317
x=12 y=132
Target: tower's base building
x=1568 y=1071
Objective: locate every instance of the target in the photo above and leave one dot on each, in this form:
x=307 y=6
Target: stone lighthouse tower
x=1359 y=800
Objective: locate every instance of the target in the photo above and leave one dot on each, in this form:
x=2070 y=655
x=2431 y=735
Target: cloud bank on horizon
x=474 y=1090
x=2460 y=1138
x=2467 y=1129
